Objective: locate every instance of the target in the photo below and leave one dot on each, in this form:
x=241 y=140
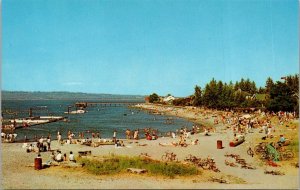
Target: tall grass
x=118 y=164
x=295 y=146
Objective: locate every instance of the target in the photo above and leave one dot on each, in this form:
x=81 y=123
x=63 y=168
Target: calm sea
x=98 y=119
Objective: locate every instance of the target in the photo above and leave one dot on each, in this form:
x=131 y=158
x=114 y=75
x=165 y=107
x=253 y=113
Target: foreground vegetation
x=116 y=164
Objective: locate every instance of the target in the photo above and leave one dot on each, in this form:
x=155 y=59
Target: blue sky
x=145 y=46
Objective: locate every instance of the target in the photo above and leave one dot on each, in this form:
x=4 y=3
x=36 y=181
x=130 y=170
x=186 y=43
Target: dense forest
x=275 y=96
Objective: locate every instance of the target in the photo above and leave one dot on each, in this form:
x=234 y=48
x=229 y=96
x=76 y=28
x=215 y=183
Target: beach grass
x=295 y=146
x=119 y=164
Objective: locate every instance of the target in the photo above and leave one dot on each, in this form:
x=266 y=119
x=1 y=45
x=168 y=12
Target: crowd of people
x=8 y=137
x=59 y=157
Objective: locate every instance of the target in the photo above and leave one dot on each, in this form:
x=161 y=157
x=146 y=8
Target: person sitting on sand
x=30 y=148
x=117 y=143
x=148 y=136
x=52 y=157
x=168 y=144
x=122 y=144
x=281 y=141
x=195 y=142
x=154 y=137
x=2 y=135
x=206 y=132
x=71 y=157
x=58 y=157
x=182 y=142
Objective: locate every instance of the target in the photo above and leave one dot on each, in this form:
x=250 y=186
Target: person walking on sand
x=136 y=134
x=48 y=143
x=59 y=139
x=128 y=134
x=115 y=136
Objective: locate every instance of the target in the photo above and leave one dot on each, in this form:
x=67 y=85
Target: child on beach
x=71 y=157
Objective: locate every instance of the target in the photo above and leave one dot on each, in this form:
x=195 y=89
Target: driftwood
x=274 y=172
x=219 y=180
x=84 y=153
x=136 y=170
x=142 y=144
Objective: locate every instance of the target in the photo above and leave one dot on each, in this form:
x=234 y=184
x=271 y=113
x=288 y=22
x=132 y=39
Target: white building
x=168 y=99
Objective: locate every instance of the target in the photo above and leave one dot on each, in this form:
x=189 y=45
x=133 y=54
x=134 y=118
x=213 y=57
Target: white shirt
x=58 y=157
x=71 y=157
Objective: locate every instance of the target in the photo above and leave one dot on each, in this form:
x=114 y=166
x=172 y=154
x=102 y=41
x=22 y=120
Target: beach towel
x=273 y=151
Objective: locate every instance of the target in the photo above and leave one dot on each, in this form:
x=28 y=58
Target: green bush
x=117 y=164
x=295 y=146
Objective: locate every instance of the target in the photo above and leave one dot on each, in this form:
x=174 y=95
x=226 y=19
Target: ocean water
x=97 y=119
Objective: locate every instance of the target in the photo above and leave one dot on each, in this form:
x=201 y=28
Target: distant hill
x=20 y=95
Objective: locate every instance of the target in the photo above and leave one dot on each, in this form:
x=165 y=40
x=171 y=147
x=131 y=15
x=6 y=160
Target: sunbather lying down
x=168 y=144
x=142 y=144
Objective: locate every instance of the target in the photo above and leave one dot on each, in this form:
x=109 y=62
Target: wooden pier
x=107 y=104
x=31 y=121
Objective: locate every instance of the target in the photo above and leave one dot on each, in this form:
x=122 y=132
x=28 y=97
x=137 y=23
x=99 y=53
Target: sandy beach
x=16 y=172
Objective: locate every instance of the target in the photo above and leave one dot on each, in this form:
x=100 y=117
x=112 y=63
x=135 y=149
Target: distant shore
x=17 y=174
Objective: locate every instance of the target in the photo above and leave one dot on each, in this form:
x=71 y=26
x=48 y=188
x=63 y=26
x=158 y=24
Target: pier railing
x=107 y=103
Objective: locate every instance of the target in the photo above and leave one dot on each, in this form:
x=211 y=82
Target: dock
x=38 y=120
x=107 y=103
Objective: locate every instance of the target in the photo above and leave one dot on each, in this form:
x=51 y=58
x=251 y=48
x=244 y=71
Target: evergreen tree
x=261 y=90
x=281 y=98
x=236 y=86
x=210 y=94
x=253 y=88
x=153 y=98
x=197 y=96
x=269 y=84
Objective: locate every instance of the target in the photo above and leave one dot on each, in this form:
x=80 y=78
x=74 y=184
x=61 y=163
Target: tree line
x=275 y=96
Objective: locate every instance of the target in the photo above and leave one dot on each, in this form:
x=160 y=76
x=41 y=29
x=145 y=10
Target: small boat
x=76 y=112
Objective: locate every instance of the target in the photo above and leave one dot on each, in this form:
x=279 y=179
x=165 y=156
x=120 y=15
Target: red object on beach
x=235 y=143
x=273 y=164
x=219 y=144
x=38 y=163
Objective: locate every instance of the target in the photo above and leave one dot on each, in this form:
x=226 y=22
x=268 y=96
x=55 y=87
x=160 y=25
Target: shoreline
x=17 y=175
